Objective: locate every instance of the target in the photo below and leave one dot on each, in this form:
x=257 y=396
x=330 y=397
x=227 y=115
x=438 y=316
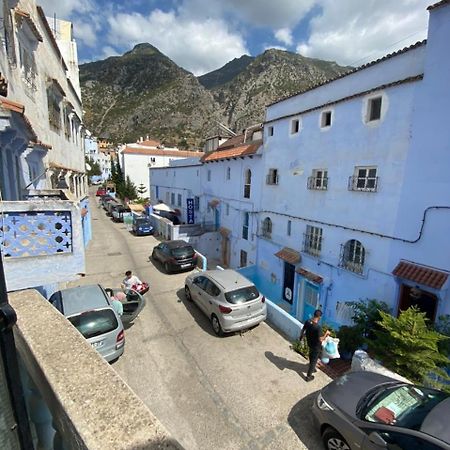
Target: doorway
x=308 y=300
x=424 y=301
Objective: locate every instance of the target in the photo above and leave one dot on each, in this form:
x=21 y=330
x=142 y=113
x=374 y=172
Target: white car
x=230 y=300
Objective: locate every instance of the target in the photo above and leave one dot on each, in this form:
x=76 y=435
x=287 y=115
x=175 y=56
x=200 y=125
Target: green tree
x=141 y=189
x=409 y=347
x=366 y=315
x=95 y=167
x=127 y=190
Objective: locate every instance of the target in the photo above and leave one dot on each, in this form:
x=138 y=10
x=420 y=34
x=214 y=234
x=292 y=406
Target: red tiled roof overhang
x=421 y=275
x=289 y=255
x=309 y=275
x=161 y=152
x=235 y=152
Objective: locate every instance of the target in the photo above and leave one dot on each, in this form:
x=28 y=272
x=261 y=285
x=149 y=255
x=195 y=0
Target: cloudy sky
x=203 y=35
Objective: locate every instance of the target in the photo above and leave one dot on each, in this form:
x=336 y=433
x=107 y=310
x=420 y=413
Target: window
x=196 y=203
x=365 y=179
x=270 y=131
x=227 y=209
x=267 y=228
x=311 y=295
x=209 y=175
x=318 y=180
x=295 y=126
x=243 y=259
x=374 y=109
x=167 y=197
x=272 y=176
x=67 y=127
x=247 y=183
x=54 y=109
x=353 y=256
x=245 y=224
x=152 y=160
x=289 y=227
x=325 y=119
x=172 y=198
x=179 y=200
x=228 y=173
x=28 y=66
x=312 y=243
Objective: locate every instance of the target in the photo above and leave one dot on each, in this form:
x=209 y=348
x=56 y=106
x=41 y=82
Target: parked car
x=141 y=226
x=175 y=255
x=110 y=207
x=89 y=310
x=119 y=212
x=368 y=411
x=230 y=300
x=132 y=305
x=100 y=191
x=105 y=200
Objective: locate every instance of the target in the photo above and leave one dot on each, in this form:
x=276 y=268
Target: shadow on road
x=302 y=422
x=198 y=315
x=284 y=363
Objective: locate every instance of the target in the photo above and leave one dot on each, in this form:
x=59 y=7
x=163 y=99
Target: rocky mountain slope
x=143 y=92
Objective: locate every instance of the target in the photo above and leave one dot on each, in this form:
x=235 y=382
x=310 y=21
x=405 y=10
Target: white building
x=136 y=160
x=99 y=155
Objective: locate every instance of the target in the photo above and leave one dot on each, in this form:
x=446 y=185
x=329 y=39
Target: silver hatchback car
x=230 y=300
x=89 y=310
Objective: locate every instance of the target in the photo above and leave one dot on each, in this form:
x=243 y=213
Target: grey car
x=369 y=411
x=229 y=300
x=88 y=308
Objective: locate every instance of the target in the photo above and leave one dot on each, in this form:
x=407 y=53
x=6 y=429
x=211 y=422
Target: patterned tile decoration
x=40 y=233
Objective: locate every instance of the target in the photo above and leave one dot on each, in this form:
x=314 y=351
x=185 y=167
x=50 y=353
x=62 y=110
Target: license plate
x=98 y=344
x=185 y=265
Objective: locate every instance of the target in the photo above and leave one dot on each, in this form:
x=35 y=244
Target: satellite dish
x=88 y=167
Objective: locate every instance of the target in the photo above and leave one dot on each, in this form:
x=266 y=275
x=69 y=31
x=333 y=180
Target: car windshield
x=182 y=252
x=142 y=222
x=242 y=295
x=404 y=406
x=94 y=323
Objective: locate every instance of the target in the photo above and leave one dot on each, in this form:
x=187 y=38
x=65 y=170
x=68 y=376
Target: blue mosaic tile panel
x=40 y=233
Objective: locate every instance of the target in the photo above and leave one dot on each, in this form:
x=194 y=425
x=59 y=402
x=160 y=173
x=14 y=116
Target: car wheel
x=332 y=440
x=187 y=293
x=216 y=325
x=166 y=267
x=153 y=256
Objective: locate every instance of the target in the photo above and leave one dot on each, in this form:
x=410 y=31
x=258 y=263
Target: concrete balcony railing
x=41 y=241
x=74 y=398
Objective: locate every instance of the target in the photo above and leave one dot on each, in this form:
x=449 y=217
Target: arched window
x=247 y=183
x=267 y=228
x=228 y=173
x=352 y=256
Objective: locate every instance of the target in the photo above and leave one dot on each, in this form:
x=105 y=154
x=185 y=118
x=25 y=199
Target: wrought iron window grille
x=318 y=183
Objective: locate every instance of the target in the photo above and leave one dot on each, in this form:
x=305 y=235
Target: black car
x=369 y=411
x=175 y=255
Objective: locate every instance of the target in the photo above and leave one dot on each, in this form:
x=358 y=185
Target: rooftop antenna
x=221 y=125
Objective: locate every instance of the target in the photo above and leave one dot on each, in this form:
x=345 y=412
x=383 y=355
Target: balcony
x=363 y=184
x=41 y=241
x=318 y=183
x=74 y=398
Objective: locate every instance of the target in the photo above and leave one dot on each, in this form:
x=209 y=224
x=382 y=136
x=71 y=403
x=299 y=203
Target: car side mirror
x=377 y=440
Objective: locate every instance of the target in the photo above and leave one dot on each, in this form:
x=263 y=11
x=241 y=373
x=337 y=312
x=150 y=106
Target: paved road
x=242 y=391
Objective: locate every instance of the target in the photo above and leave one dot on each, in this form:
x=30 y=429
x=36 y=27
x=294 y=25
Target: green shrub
x=301 y=347
x=366 y=315
x=350 y=338
x=409 y=347
x=443 y=326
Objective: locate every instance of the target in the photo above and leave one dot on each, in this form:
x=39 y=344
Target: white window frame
x=272 y=177
x=370 y=108
x=294 y=127
x=313 y=240
x=323 y=116
x=267 y=227
x=369 y=179
x=319 y=179
x=353 y=256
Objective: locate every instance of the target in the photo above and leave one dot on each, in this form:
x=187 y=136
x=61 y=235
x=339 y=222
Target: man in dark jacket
x=314 y=338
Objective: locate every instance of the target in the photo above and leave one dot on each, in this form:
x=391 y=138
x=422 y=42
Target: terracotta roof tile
x=161 y=152
x=232 y=142
x=12 y=106
x=421 y=275
x=150 y=143
x=289 y=255
x=309 y=275
x=234 y=152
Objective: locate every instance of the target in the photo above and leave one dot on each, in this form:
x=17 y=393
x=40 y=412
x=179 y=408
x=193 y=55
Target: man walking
x=314 y=338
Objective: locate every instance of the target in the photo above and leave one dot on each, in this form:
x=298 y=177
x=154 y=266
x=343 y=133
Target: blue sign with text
x=190 y=210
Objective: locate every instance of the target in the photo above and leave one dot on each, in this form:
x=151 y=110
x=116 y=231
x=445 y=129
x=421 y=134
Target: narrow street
x=242 y=391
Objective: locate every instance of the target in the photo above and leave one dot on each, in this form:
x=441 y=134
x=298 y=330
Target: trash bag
x=330 y=348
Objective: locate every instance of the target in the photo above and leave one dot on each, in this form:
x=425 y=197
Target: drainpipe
x=325 y=301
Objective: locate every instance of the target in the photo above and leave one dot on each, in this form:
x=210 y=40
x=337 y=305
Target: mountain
x=226 y=73
x=143 y=92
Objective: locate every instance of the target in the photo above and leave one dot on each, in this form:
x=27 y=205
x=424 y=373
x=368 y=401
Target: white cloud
x=86 y=33
x=355 y=32
x=65 y=8
x=276 y=47
x=198 y=46
x=284 y=36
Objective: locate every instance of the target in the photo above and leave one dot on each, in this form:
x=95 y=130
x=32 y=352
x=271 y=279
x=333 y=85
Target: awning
x=309 y=275
x=289 y=255
x=162 y=207
x=432 y=278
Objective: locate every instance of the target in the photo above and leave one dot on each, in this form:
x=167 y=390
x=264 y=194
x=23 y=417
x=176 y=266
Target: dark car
x=142 y=226
x=175 y=255
x=368 y=411
x=119 y=212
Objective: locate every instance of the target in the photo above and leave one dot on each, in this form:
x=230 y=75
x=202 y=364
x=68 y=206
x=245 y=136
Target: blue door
x=308 y=299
